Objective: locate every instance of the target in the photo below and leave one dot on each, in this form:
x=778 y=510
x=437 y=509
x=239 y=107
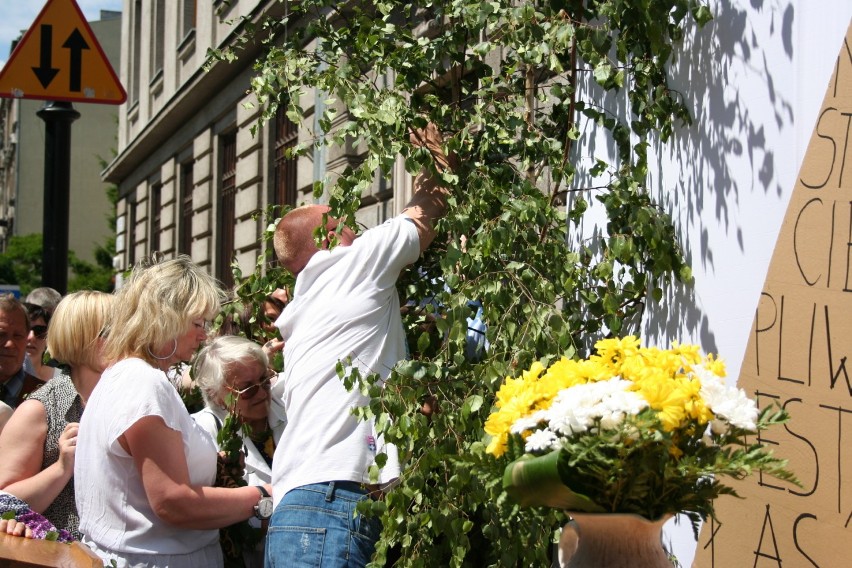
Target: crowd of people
x=99 y=444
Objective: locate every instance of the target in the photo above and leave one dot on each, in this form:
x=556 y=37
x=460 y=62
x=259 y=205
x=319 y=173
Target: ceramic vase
x=613 y=541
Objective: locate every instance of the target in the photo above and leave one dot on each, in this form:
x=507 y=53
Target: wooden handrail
x=20 y=552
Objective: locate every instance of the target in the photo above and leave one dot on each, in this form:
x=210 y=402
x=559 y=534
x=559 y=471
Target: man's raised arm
x=429 y=202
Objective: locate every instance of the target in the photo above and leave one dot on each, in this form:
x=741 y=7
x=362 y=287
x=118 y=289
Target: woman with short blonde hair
x=38 y=444
x=75 y=329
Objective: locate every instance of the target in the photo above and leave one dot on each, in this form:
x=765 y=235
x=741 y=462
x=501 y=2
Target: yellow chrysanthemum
x=671 y=417
x=715 y=366
x=616 y=349
x=498 y=445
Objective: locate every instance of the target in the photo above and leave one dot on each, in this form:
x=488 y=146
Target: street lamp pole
x=57 y=116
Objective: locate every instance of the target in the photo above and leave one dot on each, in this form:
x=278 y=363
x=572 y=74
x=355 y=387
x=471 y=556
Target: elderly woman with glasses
x=233 y=376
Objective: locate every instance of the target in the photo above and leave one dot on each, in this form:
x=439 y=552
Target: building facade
x=93 y=140
x=194 y=167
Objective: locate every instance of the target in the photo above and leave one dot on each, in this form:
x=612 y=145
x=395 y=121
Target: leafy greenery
x=21 y=265
x=238 y=537
x=503 y=80
x=244 y=309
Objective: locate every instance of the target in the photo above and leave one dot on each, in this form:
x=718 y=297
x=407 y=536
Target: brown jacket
x=31 y=384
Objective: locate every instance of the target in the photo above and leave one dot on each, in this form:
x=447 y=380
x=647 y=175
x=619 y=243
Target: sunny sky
x=17 y=15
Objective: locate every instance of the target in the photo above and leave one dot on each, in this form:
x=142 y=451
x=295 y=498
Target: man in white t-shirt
x=344 y=308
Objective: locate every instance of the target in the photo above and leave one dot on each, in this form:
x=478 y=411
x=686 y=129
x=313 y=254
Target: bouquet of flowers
x=630 y=429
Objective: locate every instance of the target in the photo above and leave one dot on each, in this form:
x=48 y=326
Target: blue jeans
x=317 y=526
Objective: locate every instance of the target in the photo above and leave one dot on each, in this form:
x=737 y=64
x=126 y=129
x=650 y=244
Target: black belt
x=374 y=492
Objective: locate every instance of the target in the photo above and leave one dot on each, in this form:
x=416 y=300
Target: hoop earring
x=169 y=356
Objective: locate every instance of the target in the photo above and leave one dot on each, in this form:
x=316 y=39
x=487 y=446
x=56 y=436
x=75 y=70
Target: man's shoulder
x=31 y=384
x=392 y=233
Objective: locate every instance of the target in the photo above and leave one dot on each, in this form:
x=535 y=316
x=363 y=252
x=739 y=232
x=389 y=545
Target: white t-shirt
x=114 y=511
x=344 y=304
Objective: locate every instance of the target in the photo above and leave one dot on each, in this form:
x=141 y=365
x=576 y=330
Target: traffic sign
x=59 y=59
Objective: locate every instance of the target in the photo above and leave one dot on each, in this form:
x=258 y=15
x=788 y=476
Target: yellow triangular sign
x=799 y=357
x=59 y=59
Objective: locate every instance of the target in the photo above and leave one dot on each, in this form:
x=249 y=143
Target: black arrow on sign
x=76 y=43
x=45 y=72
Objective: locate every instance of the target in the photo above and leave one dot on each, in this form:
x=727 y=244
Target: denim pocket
x=366 y=527
x=295 y=546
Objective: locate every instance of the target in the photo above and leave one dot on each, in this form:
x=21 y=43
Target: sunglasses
x=251 y=391
x=40 y=331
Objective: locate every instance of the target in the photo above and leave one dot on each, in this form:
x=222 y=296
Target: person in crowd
x=37 y=343
x=15 y=383
x=344 y=306
x=233 y=375
x=273 y=305
x=243 y=322
x=144 y=470
x=46 y=297
x=38 y=443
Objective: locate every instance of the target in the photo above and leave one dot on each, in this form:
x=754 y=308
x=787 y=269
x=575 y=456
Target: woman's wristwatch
x=263 y=509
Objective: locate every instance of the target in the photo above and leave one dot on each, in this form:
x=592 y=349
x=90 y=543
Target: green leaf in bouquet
x=534 y=481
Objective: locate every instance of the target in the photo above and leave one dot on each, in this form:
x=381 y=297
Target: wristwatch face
x=263 y=510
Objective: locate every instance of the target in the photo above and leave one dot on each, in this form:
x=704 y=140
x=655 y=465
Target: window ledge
x=186 y=47
x=156 y=84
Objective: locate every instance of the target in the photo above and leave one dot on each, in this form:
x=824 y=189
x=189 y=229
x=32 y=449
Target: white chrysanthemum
x=729 y=403
x=526 y=423
x=618 y=405
x=576 y=409
x=542 y=440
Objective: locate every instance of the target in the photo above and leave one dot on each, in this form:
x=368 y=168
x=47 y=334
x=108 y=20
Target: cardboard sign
x=799 y=356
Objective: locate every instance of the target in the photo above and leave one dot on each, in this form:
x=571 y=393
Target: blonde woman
x=144 y=469
x=38 y=443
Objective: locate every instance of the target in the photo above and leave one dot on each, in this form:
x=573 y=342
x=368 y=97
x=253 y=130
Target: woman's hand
x=228 y=472
x=68 y=445
x=22 y=448
x=15 y=528
x=272 y=347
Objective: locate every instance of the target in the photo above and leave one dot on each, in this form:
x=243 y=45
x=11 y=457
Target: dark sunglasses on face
x=251 y=391
x=40 y=331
